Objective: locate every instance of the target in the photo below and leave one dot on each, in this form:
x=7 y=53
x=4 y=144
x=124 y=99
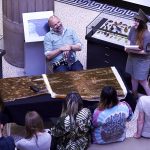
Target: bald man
x=60 y=45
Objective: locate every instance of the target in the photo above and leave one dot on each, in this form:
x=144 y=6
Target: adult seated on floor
x=110 y=117
x=6 y=142
x=60 y=46
x=36 y=137
x=143 y=121
x=73 y=129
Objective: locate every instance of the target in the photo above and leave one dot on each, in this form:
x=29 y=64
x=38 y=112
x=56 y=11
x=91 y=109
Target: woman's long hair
x=108 y=97
x=33 y=124
x=74 y=105
x=142 y=27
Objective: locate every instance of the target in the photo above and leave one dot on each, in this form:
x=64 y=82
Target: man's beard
x=60 y=30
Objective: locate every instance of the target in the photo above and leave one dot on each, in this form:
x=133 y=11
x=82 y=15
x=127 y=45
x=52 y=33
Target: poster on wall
x=36 y=25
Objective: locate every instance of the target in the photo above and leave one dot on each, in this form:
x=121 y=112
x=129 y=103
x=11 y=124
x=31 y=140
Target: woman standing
x=138 y=62
x=110 y=117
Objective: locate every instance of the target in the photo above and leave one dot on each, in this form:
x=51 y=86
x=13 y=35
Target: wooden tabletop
x=88 y=83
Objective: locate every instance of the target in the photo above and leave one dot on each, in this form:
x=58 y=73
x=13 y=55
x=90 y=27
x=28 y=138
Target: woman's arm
x=84 y=124
x=135 y=51
x=140 y=124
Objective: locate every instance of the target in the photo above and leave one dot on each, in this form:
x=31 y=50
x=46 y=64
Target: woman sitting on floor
x=36 y=137
x=143 y=121
x=73 y=129
x=110 y=117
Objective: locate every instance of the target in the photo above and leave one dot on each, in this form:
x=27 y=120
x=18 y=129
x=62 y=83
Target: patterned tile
x=99 y=7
